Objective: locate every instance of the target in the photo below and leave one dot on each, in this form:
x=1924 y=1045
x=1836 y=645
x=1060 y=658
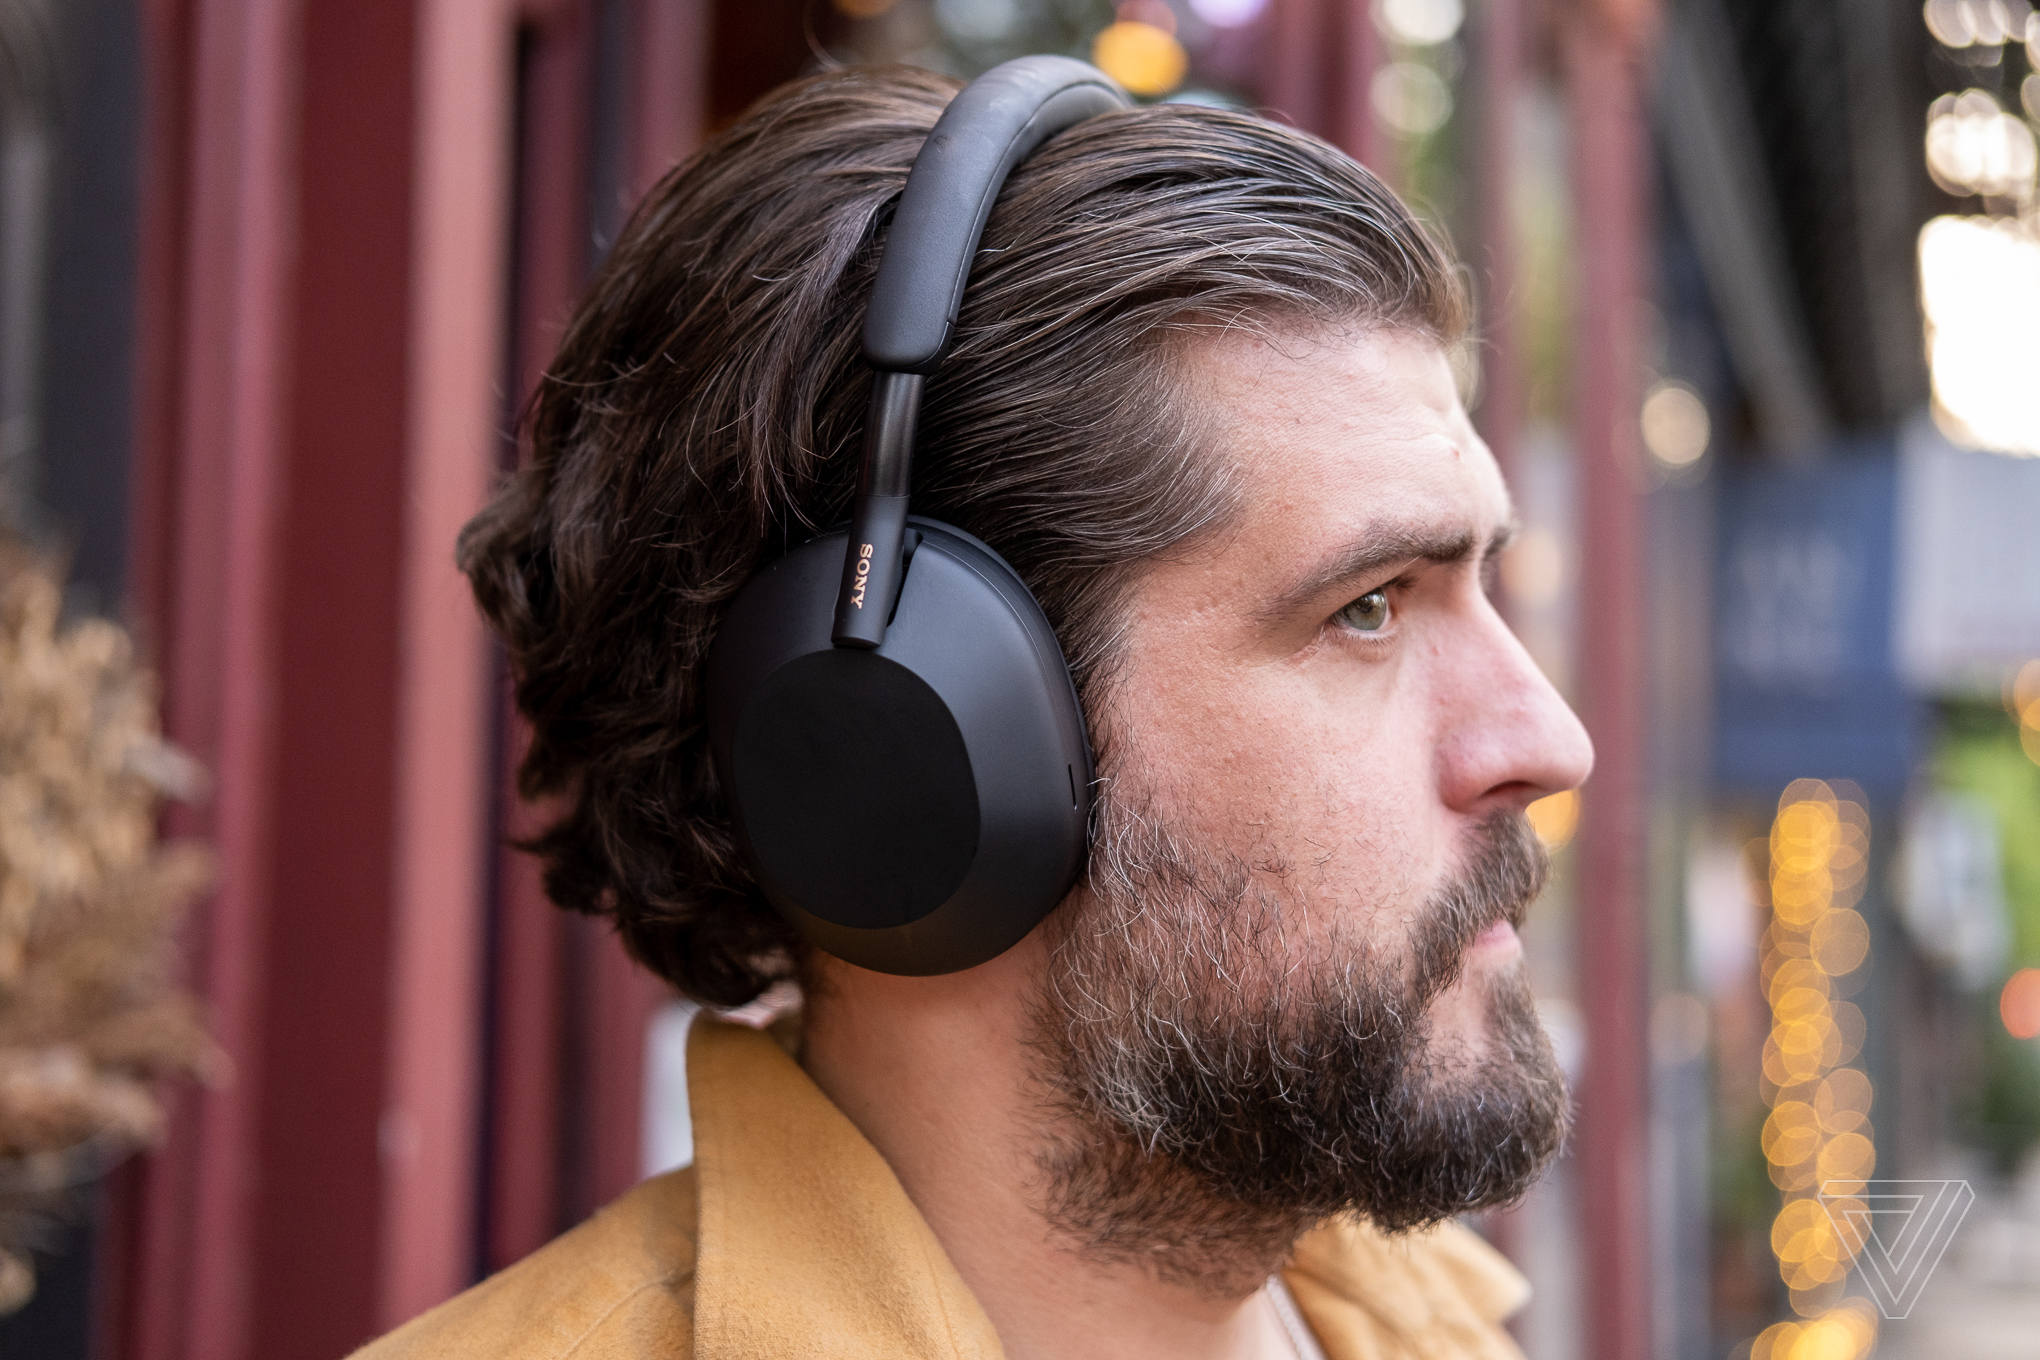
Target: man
x=1223 y=1100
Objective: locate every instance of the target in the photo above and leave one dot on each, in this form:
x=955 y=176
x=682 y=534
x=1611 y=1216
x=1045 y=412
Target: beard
x=1219 y=1076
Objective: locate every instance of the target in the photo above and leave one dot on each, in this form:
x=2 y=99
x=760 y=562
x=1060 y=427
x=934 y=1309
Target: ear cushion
x=856 y=788
x=919 y=808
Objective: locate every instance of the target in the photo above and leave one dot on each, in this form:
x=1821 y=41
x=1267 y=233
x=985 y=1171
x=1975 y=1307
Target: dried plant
x=91 y=1013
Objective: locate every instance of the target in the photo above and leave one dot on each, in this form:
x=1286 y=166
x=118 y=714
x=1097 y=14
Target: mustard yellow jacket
x=790 y=1238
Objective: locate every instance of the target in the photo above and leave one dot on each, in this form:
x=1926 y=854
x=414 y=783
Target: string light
x=1980 y=276
x=1420 y=23
x=1144 y=58
x=1984 y=23
x=1980 y=289
x=1410 y=98
x=1974 y=147
x=1555 y=817
x=1676 y=429
x=2022 y=698
x=2019 y=1004
x=1228 y=13
x=1845 y=1331
x=1818 y=1131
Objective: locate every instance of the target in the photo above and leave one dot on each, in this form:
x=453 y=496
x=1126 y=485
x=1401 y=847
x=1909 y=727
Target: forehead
x=1335 y=432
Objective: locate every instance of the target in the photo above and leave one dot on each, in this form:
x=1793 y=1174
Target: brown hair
x=706 y=407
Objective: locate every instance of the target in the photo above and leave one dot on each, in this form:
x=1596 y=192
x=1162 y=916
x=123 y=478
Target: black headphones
x=890 y=714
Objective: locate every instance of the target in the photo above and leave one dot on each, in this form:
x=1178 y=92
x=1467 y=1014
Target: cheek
x=1359 y=816
x=1316 y=778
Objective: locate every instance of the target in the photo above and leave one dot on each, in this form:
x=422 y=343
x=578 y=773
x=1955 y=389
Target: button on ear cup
x=856 y=789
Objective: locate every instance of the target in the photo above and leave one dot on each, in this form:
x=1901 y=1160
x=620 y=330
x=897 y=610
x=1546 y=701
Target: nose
x=1507 y=737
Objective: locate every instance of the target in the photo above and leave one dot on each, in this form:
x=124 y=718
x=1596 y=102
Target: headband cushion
x=987 y=130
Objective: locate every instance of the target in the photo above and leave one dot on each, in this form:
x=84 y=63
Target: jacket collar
x=809 y=1246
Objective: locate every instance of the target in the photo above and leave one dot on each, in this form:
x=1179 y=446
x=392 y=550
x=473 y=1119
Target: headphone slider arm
x=874 y=567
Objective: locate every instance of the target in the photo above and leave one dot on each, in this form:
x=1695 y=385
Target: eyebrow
x=1385 y=546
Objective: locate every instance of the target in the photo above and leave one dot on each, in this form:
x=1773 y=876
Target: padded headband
x=986 y=131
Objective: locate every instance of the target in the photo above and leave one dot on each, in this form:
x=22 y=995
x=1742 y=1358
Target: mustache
x=1501 y=877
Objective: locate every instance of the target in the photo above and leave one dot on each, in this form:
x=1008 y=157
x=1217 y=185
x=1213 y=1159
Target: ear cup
x=857 y=789
x=912 y=791
x=917 y=808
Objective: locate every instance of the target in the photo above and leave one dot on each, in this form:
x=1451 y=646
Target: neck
x=936 y=1072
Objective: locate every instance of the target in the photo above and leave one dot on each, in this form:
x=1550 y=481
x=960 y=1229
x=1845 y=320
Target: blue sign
x=1804 y=685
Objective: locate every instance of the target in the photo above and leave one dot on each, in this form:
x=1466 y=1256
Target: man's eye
x=1368 y=614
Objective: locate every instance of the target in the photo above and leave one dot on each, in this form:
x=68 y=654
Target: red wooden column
x=1355 y=128
x=1316 y=66
x=671 y=86
x=1500 y=43
x=571 y=1011
x=216 y=310
x=1601 y=48
x=442 y=800
x=1499 y=55
x=1294 y=62
x=528 y=1017
x=319 y=352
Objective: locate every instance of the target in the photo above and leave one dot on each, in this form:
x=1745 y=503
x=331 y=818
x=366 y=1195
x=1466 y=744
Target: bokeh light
x=1676 y=428
x=1228 y=13
x=1975 y=147
x=1980 y=287
x=2023 y=692
x=1842 y=1101
x=1680 y=1024
x=1819 y=1130
x=1840 y=941
x=1974 y=23
x=1410 y=98
x=2019 y=1003
x=1533 y=568
x=2022 y=700
x=1846 y=1331
x=1555 y=818
x=1421 y=23
x=1147 y=60
x=864 y=9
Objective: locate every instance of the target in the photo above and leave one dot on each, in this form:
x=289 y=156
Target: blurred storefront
x=1757 y=283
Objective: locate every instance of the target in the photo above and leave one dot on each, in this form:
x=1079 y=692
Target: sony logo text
x=863 y=575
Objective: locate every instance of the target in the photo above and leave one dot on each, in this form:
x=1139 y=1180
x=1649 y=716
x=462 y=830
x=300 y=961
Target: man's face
x=1281 y=706
x=1294 y=970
